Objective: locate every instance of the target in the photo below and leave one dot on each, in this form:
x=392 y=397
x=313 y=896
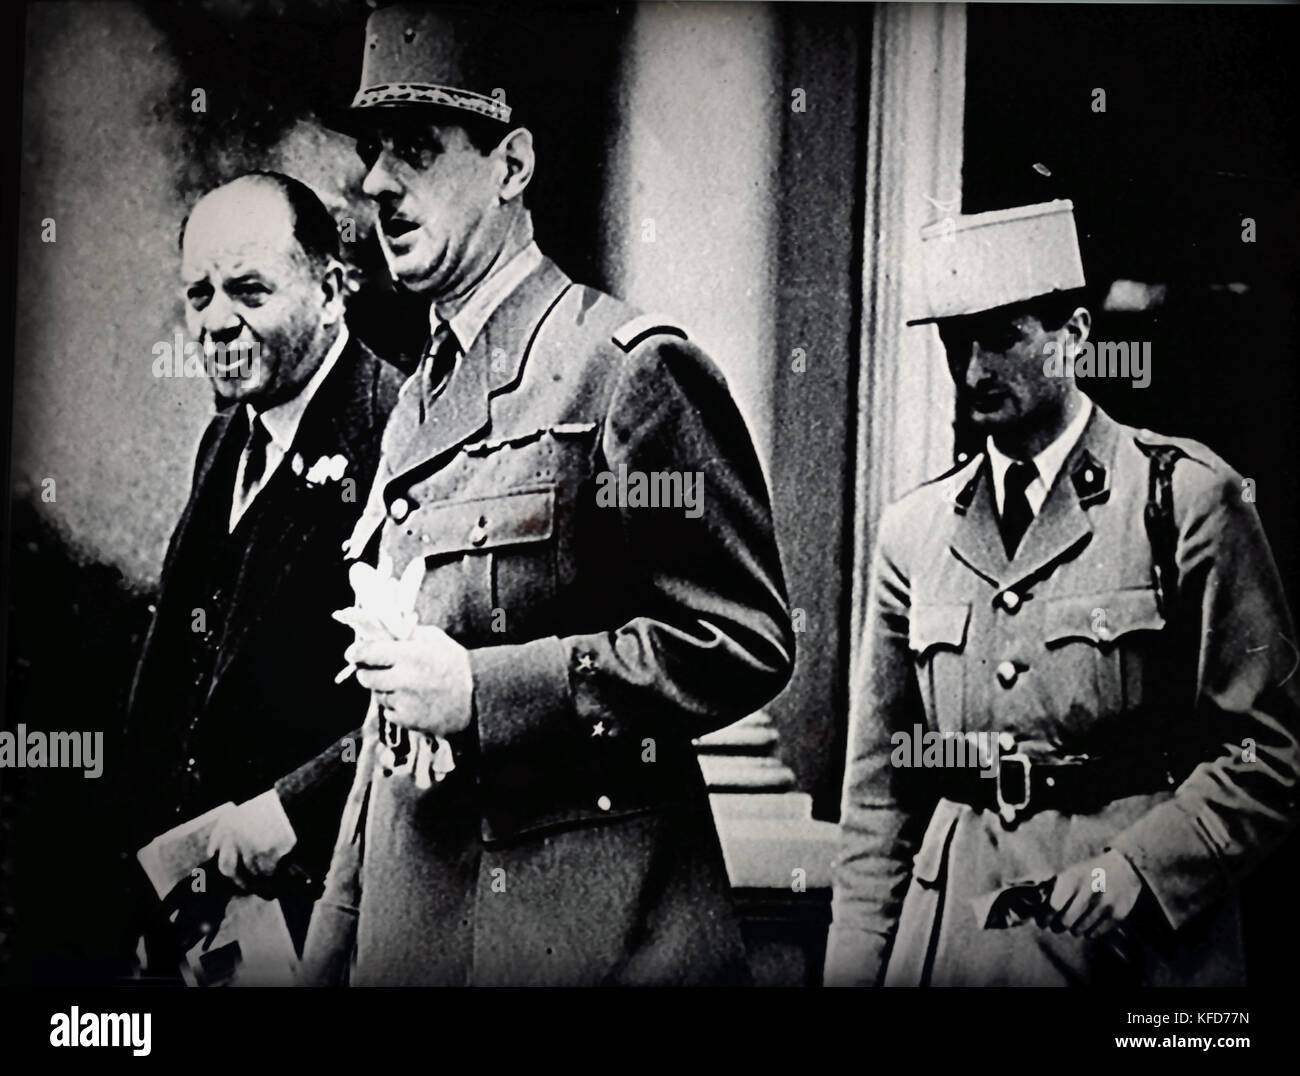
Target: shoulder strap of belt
x=1162 y=529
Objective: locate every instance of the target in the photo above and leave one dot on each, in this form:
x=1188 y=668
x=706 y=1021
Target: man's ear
x=1079 y=325
x=516 y=152
x=334 y=291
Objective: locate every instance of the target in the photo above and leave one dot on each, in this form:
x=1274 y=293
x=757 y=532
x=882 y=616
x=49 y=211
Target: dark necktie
x=437 y=362
x=254 y=462
x=1016 y=513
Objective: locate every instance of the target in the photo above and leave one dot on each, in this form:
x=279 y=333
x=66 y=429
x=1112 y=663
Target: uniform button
x=1007 y=673
x=478 y=535
x=399 y=509
x=1010 y=601
x=604 y=803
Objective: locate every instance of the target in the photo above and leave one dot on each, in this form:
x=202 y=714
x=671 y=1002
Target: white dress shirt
x=281 y=422
x=1048 y=462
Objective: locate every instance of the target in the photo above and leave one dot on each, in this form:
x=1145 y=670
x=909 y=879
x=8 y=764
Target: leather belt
x=1023 y=786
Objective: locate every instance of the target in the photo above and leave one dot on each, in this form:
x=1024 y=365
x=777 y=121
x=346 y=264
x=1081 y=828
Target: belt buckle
x=1007 y=810
x=395 y=752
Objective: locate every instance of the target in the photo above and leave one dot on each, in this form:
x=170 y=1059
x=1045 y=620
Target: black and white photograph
x=711 y=494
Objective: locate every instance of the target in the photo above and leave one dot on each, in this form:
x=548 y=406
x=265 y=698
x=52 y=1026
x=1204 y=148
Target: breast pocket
x=1104 y=644
x=936 y=635
x=490 y=562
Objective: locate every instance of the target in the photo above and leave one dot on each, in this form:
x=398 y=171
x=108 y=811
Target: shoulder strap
x=635 y=332
x=1162 y=529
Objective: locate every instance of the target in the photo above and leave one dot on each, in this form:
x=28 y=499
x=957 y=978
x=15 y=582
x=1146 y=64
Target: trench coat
x=573 y=844
x=1066 y=647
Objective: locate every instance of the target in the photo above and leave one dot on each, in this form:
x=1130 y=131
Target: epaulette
x=960 y=464
x=635 y=332
x=958 y=494
x=1147 y=440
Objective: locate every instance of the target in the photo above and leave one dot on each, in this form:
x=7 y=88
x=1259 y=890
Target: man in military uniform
x=1101 y=604
x=571 y=641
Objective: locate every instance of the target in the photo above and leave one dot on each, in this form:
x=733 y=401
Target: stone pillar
x=688 y=201
x=914 y=152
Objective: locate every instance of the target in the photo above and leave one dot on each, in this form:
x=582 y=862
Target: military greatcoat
x=573 y=844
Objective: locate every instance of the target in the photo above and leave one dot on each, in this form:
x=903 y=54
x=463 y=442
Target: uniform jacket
x=1096 y=668
x=271 y=704
x=574 y=843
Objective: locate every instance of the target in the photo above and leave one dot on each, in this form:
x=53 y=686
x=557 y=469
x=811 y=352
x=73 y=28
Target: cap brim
x=931 y=319
x=357 y=121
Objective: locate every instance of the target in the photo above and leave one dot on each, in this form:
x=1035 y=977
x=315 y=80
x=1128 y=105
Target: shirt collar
x=469 y=320
x=1049 y=461
x=282 y=420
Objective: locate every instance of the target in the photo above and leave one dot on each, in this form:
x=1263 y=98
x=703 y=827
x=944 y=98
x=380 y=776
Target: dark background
x=1199 y=133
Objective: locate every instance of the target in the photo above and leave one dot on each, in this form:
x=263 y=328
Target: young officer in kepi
x=1102 y=602
x=568 y=649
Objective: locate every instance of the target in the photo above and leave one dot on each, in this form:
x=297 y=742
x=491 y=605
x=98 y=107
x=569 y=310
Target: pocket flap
x=938 y=625
x=484 y=523
x=1101 y=618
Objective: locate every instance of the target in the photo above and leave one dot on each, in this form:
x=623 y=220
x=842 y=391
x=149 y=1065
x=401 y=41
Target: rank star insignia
x=586 y=663
x=599 y=730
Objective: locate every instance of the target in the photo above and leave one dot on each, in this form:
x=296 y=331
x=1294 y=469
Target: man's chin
x=232 y=390
x=415 y=279
x=411 y=270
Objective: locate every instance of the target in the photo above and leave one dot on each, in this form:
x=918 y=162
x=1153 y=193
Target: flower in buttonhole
x=325 y=469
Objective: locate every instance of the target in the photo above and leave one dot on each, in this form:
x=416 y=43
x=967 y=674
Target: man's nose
x=964 y=365
x=379 y=182
x=220 y=322
x=976 y=367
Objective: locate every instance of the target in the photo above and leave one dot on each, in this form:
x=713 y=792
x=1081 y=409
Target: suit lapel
x=494 y=364
x=976 y=540
x=289 y=513
x=210 y=494
x=1060 y=527
x=454 y=417
x=229 y=431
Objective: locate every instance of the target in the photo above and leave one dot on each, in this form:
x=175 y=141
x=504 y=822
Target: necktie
x=259 y=437
x=1016 y=513
x=438 y=361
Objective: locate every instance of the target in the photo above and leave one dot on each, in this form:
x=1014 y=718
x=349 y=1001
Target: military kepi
x=987 y=260
x=416 y=54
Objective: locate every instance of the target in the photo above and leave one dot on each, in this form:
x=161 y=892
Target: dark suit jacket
x=271 y=704
x=574 y=842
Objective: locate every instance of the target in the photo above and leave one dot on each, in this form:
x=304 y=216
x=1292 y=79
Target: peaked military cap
x=415 y=55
